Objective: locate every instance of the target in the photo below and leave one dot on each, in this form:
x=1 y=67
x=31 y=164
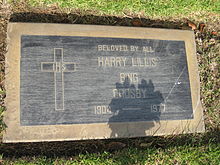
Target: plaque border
x=17 y=133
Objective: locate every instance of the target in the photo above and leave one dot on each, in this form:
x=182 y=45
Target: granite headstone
x=72 y=82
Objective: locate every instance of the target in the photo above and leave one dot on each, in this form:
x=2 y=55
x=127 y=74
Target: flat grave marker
x=74 y=82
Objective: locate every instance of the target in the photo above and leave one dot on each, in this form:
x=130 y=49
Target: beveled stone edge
x=17 y=29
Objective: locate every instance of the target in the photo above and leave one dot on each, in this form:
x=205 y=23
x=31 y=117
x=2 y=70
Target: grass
x=152 y=8
x=209 y=154
x=183 y=149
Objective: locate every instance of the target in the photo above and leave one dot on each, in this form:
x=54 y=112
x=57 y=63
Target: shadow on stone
x=134 y=105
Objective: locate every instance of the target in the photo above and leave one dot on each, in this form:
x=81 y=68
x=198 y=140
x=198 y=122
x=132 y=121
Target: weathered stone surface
x=70 y=82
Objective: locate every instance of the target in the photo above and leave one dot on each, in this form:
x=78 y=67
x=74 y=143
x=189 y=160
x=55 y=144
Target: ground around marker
x=182 y=149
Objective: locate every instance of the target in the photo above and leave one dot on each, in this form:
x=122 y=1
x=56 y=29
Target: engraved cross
x=59 y=67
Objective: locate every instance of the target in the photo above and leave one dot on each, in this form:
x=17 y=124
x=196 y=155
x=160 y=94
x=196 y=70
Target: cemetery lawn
x=207 y=154
x=155 y=8
x=175 y=14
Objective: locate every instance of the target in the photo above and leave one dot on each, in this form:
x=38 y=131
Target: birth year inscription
x=77 y=80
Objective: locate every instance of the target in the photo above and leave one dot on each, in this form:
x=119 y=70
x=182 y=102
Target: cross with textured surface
x=58 y=67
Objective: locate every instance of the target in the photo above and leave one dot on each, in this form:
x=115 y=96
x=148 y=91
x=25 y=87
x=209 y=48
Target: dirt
x=208 y=53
